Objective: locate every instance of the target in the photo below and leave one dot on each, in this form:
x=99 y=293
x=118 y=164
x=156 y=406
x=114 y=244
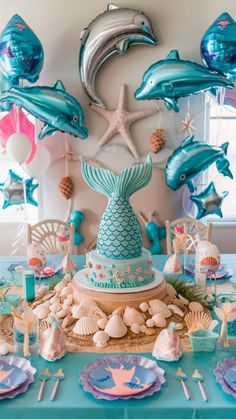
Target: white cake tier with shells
x=104 y=272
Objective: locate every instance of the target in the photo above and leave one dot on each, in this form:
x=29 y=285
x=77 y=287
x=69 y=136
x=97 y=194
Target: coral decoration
x=157 y=140
x=66 y=187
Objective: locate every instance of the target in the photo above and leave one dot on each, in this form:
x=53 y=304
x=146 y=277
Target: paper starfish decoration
x=187 y=124
x=209 y=201
x=120 y=120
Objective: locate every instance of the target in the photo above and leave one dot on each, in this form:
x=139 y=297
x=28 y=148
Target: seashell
x=59 y=287
x=209 y=261
x=97 y=313
x=135 y=328
x=115 y=327
x=150 y=323
x=102 y=323
x=55 y=307
x=171 y=291
x=4 y=348
x=159 y=320
x=194 y=306
x=42 y=291
x=66 y=305
x=143 y=328
x=168 y=299
x=41 y=311
x=100 y=339
x=61 y=314
x=150 y=332
x=49 y=295
x=120 y=311
x=168 y=345
x=54 y=299
x=85 y=326
x=83 y=309
x=179 y=326
x=176 y=310
x=173 y=265
x=183 y=299
x=52 y=340
x=67 y=321
x=178 y=303
x=65 y=292
x=157 y=306
x=144 y=307
x=66 y=279
x=133 y=316
x=196 y=320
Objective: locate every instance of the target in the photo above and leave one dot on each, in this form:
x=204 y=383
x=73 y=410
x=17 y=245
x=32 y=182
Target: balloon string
x=67 y=150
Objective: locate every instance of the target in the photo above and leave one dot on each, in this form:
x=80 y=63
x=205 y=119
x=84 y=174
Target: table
x=73 y=403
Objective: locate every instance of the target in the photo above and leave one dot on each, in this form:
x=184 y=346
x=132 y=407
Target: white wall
x=58 y=23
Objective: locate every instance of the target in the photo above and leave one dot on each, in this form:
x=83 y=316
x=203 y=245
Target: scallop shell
x=102 y=323
x=159 y=320
x=196 y=320
x=143 y=328
x=115 y=327
x=55 y=307
x=176 y=310
x=144 y=307
x=171 y=291
x=133 y=316
x=194 y=306
x=183 y=299
x=83 y=309
x=67 y=321
x=150 y=323
x=179 y=326
x=41 y=311
x=85 y=326
x=97 y=313
x=157 y=306
x=120 y=311
x=210 y=261
x=135 y=328
x=100 y=339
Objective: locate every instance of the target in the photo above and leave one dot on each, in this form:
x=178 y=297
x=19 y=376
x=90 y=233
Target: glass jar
x=26 y=337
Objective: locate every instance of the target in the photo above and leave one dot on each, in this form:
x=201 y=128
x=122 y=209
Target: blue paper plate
x=230 y=377
x=11 y=377
x=122 y=379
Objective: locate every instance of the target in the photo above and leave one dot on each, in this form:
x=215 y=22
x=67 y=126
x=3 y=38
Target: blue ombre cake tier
x=104 y=272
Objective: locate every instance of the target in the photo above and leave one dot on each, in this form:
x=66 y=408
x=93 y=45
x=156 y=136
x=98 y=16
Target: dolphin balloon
x=113 y=31
x=53 y=105
x=218 y=45
x=172 y=78
x=191 y=158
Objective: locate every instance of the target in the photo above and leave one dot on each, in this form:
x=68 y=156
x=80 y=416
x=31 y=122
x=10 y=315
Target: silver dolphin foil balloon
x=53 y=105
x=113 y=31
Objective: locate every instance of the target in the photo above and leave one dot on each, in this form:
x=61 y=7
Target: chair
x=191 y=227
x=45 y=233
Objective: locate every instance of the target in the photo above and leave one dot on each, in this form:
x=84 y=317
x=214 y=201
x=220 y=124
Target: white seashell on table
x=86 y=326
x=176 y=310
x=102 y=323
x=41 y=311
x=150 y=323
x=159 y=320
x=179 y=326
x=100 y=339
x=194 y=306
x=171 y=291
x=115 y=327
x=55 y=307
x=144 y=307
x=157 y=306
x=143 y=328
x=97 y=313
x=183 y=299
x=135 y=328
x=133 y=316
x=61 y=314
x=196 y=320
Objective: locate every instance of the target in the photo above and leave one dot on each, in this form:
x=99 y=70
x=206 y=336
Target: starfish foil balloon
x=120 y=121
x=13 y=190
x=209 y=201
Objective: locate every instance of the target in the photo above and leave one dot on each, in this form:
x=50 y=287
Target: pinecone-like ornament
x=157 y=140
x=66 y=187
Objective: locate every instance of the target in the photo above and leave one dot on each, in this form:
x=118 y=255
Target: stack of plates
x=225 y=373
x=16 y=374
x=122 y=377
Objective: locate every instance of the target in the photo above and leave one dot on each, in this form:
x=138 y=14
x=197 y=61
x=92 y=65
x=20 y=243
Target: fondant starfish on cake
x=119 y=235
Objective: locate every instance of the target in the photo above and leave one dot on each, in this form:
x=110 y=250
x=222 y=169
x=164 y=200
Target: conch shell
x=52 y=340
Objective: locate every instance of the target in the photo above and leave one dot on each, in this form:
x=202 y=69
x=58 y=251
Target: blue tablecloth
x=73 y=403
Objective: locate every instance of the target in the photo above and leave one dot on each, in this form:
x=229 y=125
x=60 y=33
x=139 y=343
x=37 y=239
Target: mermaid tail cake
x=119 y=259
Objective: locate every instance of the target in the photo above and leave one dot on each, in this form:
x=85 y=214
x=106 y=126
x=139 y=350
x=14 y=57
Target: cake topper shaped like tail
x=125 y=184
x=119 y=235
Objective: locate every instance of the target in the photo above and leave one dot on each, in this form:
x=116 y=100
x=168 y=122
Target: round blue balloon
x=21 y=52
x=218 y=45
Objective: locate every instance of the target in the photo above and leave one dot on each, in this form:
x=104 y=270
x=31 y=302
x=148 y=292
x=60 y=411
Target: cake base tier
x=110 y=300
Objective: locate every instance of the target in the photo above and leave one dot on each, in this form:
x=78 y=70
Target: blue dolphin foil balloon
x=218 y=45
x=209 y=201
x=5 y=84
x=21 y=52
x=13 y=190
x=173 y=78
x=191 y=158
x=53 y=105
x=111 y=32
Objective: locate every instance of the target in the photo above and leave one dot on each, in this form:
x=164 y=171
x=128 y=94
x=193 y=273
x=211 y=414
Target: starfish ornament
x=209 y=201
x=187 y=125
x=120 y=120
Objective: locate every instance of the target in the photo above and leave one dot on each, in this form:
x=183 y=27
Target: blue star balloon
x=218 y=45
x=53 y=105
x=172 y=78
x=13 y=190
x=193 y=157
x=209 y=201
x=21 y=52
x=5 y=84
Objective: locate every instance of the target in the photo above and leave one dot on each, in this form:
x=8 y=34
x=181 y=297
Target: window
x=15 y=213
x=222 y=128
